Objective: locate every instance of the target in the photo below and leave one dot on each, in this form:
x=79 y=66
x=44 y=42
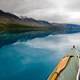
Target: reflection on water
x=34 y=59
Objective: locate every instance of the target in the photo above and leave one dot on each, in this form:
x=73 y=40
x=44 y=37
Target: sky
x=61 y=11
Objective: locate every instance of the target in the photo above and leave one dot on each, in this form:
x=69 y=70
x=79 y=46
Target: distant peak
x=1 y=11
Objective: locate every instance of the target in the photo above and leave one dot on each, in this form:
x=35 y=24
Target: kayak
x=71 y=70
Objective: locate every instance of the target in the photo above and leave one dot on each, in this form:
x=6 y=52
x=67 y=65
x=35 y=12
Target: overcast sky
x=50 y=10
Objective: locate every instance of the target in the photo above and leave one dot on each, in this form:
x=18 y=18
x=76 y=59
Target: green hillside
x=19 y=28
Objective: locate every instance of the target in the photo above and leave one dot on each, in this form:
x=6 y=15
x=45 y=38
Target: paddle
x=60 y=67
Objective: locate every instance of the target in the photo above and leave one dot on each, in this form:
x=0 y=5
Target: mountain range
x=9 y=18
x=13 y=28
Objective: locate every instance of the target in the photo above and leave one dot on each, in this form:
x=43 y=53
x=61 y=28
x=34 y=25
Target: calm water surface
x=34 y=59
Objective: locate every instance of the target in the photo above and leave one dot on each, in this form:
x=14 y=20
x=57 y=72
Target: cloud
x=57 y=42
x=52 y=10
x=74 y=5
x=24 y=6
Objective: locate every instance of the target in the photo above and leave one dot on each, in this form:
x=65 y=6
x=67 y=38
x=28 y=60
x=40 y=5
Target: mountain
x=33 y=22
x=8 y=15
x=72 y=28
x=13 y=28
x=11 y=18
x=13 y=23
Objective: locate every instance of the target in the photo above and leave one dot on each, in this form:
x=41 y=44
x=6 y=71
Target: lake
x=35 y=59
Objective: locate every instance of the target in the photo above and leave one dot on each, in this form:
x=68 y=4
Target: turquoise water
x=34 y=59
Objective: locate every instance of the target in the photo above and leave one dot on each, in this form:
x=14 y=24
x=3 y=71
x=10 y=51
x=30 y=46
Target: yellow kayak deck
x=67 y=68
